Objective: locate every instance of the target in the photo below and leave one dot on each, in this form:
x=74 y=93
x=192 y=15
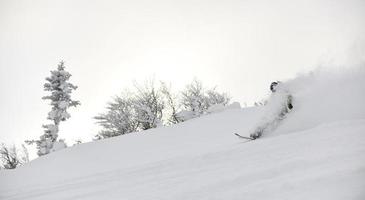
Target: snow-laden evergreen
x=60 y=96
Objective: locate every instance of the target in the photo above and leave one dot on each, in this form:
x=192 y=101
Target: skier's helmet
x=273 y=86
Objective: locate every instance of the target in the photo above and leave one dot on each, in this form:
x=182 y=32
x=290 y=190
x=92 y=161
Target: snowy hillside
x=316 y=152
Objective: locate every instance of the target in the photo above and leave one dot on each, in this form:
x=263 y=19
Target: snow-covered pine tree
x=59 y=87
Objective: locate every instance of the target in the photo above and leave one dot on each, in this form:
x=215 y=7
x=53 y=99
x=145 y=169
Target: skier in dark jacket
x=285 y=107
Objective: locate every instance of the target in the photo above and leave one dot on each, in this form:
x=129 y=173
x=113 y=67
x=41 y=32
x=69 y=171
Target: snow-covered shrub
x=132 y=112
x=148 y=106
x=193 y=98
x=119 y=118
x=172 y=106
x=215 y=98
x=59 y=87
x=151 y=106
x=197 y=100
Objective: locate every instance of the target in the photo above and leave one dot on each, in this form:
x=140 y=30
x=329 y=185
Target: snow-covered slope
x=317 y=152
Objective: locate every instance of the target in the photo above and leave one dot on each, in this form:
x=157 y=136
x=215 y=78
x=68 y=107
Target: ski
x=243 y=137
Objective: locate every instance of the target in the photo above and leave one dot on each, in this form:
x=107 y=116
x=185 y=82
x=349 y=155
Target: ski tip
x=240 y=136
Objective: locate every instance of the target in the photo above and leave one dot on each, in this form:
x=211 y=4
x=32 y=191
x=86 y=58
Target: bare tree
x=11 y=157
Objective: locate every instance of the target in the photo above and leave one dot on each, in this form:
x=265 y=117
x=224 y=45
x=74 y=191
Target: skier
x=284 y=107
x=289 y=105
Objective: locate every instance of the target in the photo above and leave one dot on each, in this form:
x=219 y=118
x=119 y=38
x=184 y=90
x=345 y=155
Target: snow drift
x=316 y=152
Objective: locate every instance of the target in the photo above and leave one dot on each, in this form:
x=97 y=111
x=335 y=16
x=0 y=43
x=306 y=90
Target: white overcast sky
x=238 y=45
